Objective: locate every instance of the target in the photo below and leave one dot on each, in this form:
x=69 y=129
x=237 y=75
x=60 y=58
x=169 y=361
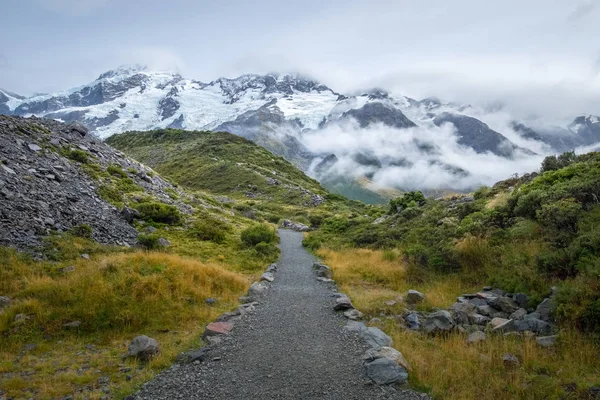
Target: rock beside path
x=384 y=371
x=143 y=348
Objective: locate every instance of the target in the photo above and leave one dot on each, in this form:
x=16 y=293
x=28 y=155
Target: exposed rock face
x=43 y=191
x=478 y=135
x=378 y=112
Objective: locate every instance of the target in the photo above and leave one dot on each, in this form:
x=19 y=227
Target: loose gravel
x=292 y=347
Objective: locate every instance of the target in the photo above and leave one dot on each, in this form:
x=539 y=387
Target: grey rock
x=505 y=304
x=510 y=360
x=34 y=147
x=296 y=226
x=355 y=326
x=384 y=371
x=546 y=341
x=272 y=268
x=533 y=325
x=210 y=301
x=69 y=269
x=343 y=303
x=386 y=352
x=412 y=321
x=545 y=309
x=198 y=355
x=478 y=319
x=440 y=321
x=162 y=242
x=476 y=337
x=130 y=214
x=375 y=337
x=267 y=276
x=353 y=314
x=323 y=271
x=5 y=302
x=519 y=314
x=501 y=325
x=522 y=300
x=258 y=289
x=143 y=348
x=78 y=128
x=414 y=297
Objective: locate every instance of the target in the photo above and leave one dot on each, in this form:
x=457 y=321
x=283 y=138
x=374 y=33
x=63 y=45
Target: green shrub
x=77 y=155
x=528 y=204
x=266 y=250
x=159 y=212
x=561 y=215
x=410 y=199
x=111 y=194
x=116 y=170
x=258 y=233
x=210 y=229
x=82 y=231
x=149 y=242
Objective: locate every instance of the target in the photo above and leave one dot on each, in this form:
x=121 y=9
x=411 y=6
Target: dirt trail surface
x=292 y=347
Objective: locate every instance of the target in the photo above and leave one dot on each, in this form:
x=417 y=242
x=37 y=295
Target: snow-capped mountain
x=306 y=122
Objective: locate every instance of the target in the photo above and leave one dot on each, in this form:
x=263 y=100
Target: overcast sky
x=540 y=56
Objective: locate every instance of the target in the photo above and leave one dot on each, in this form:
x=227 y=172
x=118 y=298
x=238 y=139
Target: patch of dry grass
x=447 y=367
x=116 y=297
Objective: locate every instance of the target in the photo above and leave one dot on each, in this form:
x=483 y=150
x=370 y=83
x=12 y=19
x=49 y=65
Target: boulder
x=353 y=314
x=267 y=276
x=478 y=319
x=296 y=226
x=374 y=337
x=217 y=329
x=197 y=355
x=522 y=300
x=323 y=271
x=545 y=309
x=533 y=325
x=384 y=371
x=78 y=128
x=476 y=337
x=34 y=147
x=501 y=325
x=162 y=242
x=506 y=304
x=546 y=341
x=460 y=312
x=355 y=326
x=412 y=321
x=519 y=314
x=440 y=321
x=387 y=352
x=343 y=303
x=414 y=297
x=325 y=280
x=257 y=290
x=486 y=310
x=4 y=302
x=272 y=268
x=143 y=348
x=67 y=270
x=510 y=360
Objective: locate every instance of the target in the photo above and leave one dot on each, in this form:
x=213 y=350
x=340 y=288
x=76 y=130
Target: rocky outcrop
x=51 y=181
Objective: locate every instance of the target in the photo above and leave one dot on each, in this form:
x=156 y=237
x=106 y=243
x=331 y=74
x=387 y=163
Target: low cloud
x=426 y=157
x=582 y=10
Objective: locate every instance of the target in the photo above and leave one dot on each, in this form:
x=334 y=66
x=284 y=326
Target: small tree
x=410 y=199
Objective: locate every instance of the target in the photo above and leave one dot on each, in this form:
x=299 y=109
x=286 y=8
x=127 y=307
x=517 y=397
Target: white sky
x=539 y=57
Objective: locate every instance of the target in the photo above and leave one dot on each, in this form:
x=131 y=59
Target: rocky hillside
x=55 y=177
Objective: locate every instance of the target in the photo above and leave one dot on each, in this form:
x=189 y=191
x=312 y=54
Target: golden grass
x=447 y=367
x=116 y=297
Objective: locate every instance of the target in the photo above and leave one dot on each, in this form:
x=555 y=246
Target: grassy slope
x=523 y=236
x=216 y=161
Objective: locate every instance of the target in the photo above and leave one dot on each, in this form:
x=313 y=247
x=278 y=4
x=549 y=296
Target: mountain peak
x=123 y=70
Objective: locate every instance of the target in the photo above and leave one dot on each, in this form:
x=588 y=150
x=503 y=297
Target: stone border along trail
x=293 y=345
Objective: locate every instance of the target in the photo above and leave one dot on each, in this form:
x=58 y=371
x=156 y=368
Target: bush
x=267 y=250
x=258 y=233
x=77 y=155
x=210 y=229
x=410 y=199
x=148 y=242
x=82 y=231
x=528 y=204
x=159 y=212
x=111 y=194
x=561 y=215
x=116 y=170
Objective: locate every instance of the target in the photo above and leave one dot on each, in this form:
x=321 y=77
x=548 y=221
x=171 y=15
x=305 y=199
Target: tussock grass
x=116 y=296
x=447 y=367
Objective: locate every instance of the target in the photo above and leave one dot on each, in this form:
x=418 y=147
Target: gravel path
x=291 y=347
